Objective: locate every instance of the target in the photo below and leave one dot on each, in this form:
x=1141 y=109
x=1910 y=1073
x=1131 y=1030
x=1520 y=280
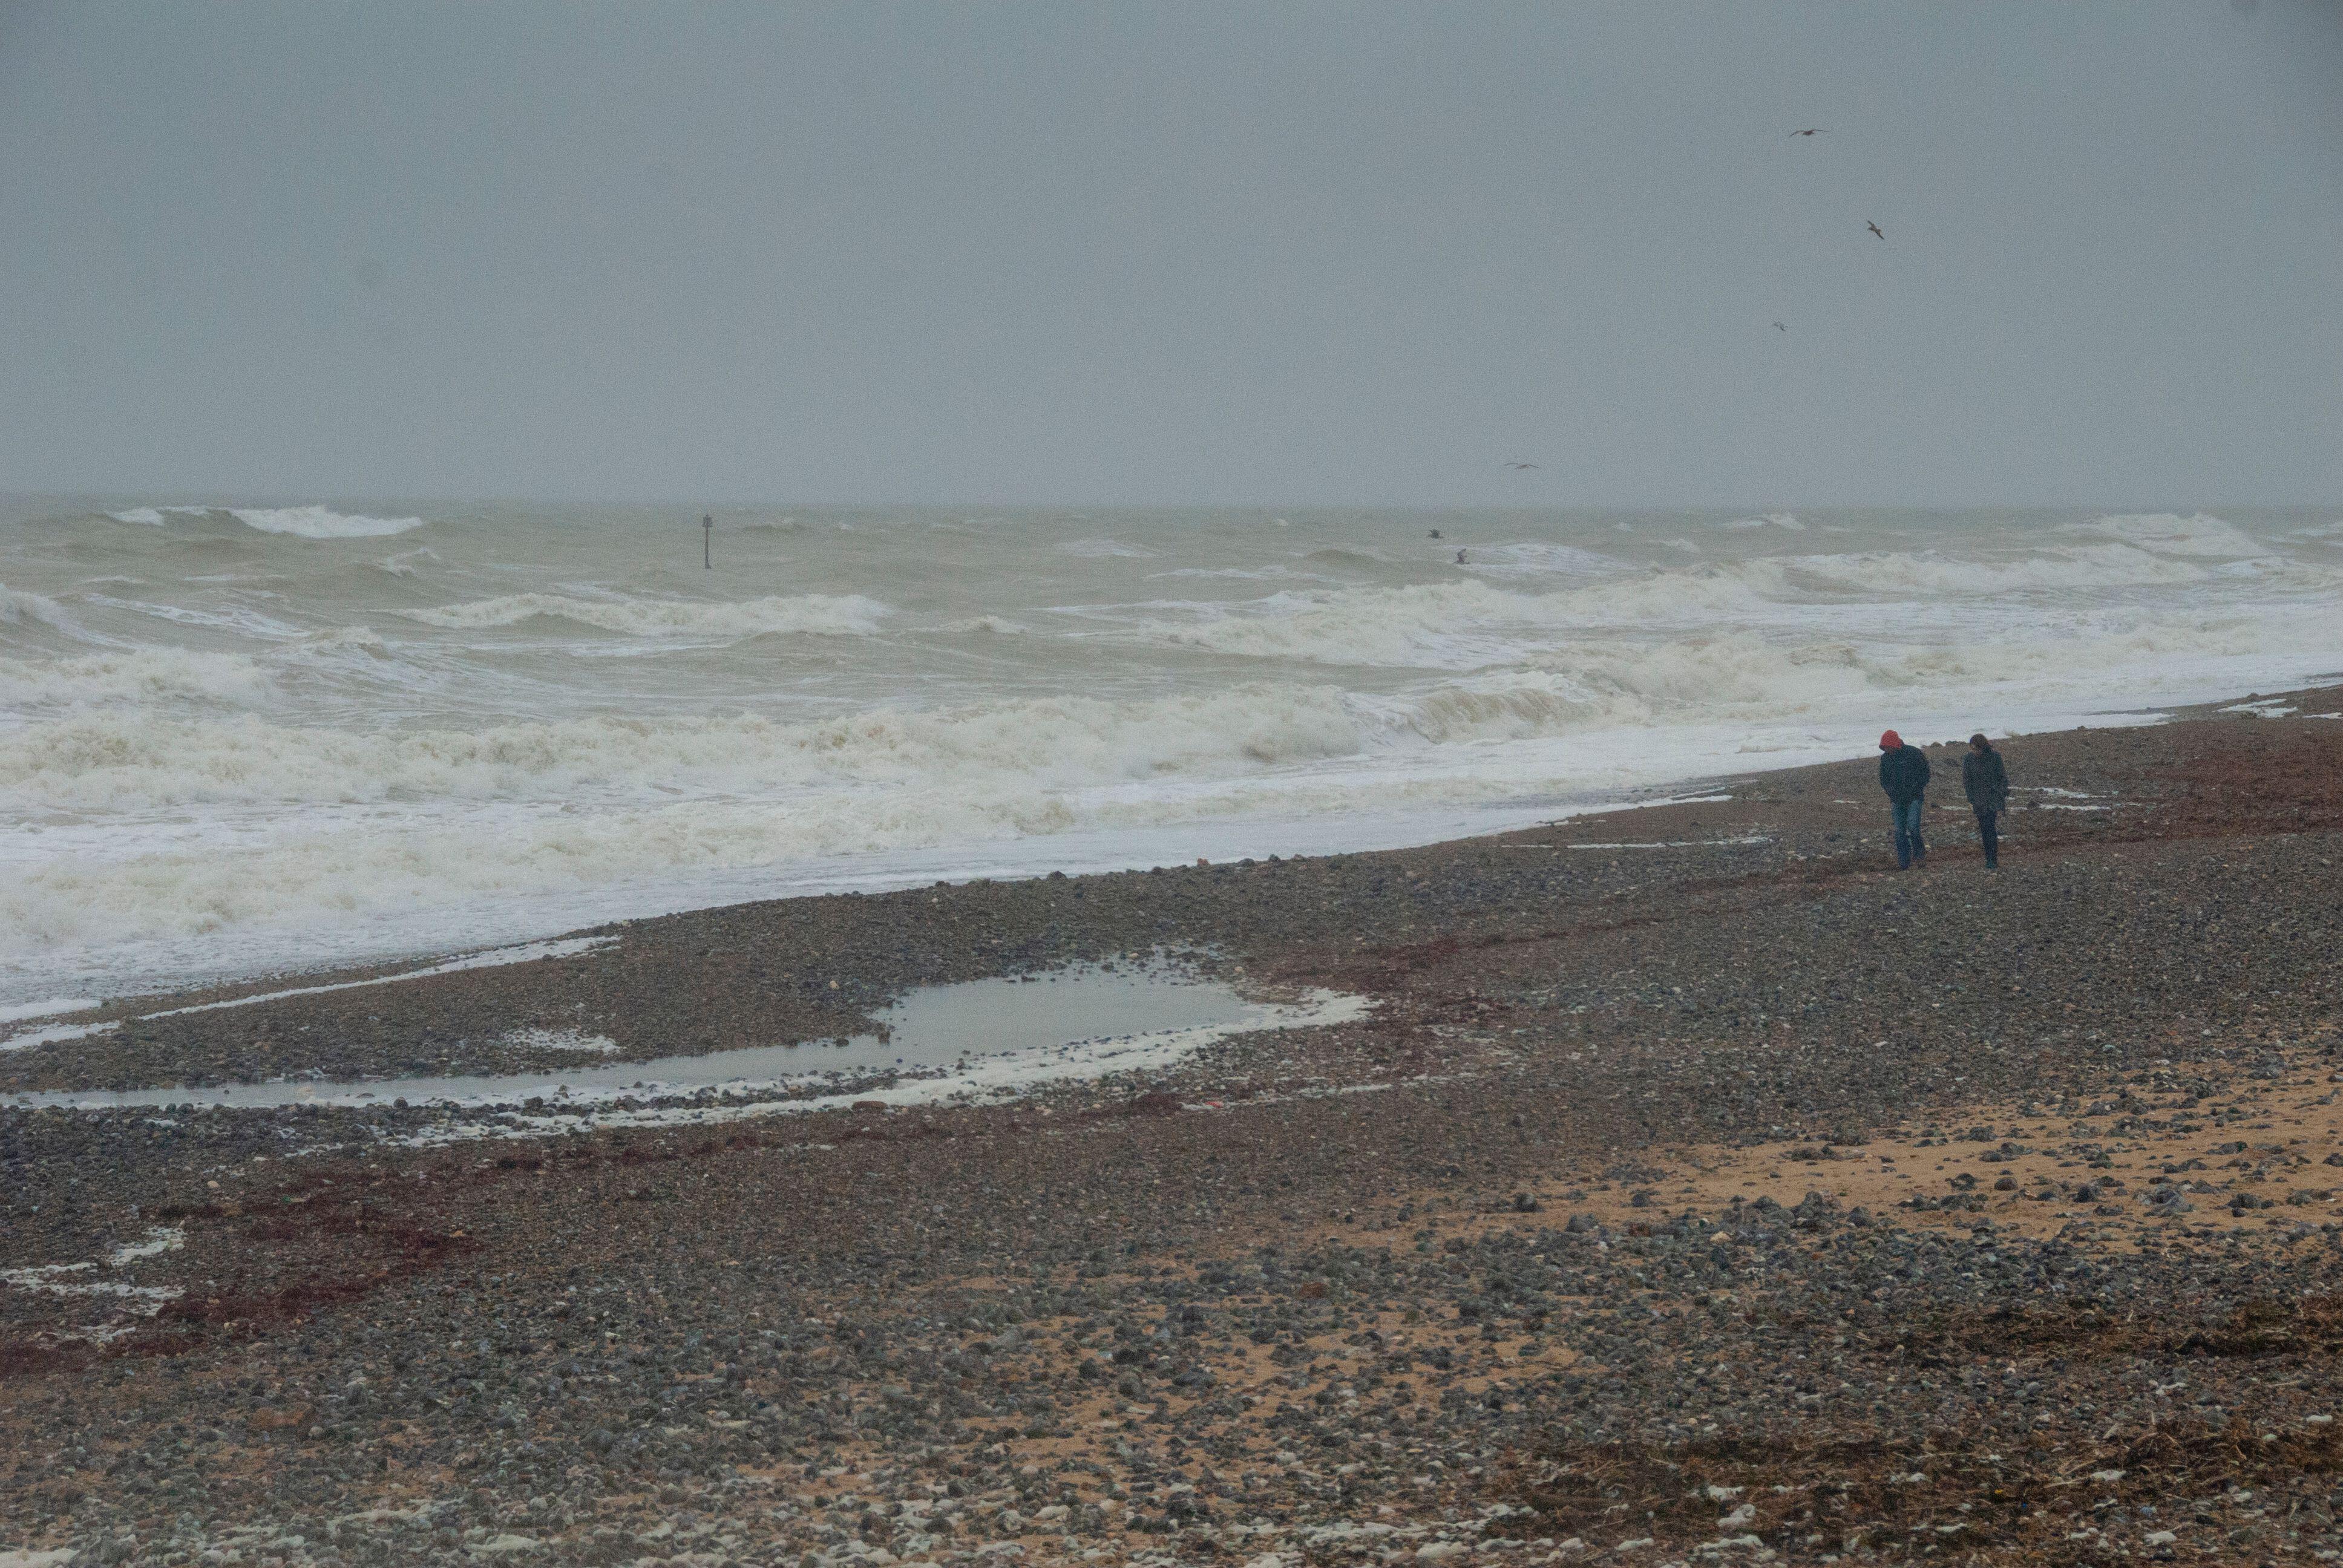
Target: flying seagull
x=1875 y=229
x=1816 y=132
x=1779 y=327
x=1521 y=464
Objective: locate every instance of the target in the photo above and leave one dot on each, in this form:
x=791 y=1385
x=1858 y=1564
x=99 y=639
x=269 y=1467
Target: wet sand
x=1697 y=1189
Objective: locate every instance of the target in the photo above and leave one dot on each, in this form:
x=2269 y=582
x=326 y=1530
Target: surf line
x=495 y=958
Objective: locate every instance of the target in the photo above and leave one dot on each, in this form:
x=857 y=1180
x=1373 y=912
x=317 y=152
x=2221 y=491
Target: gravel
x=1457 y=1279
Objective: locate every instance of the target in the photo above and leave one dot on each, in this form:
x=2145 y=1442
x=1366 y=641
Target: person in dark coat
x=1987 y=784
x=1903 y=775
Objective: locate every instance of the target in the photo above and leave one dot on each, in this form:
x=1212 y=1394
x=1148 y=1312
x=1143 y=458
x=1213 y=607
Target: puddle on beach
x=976 y=1036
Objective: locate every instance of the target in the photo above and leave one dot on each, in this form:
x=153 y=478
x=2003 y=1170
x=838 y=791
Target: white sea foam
x=89 y=762
x=213 y=755
x=53 y=1034
x=762 y=793
x=136 y=675
x=2165 y=533
x=319 y=523
x=497 y=958
x=1769 y=520
x=47 y=1008
x=1461 y=624
x=1571 y=675
x=1934 y=572
x=1471 y=625
x=299 y=521
x=1536 y=558
x=18 y=607
x=409 y=563
x=494 y=957
x=832 y=615
x=1243 y=574
x=302 y=522
x=339 y=639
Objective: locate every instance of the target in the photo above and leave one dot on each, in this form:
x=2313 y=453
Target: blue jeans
x=1909 y=845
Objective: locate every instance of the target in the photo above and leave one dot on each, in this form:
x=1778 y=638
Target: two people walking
x=1903 y=777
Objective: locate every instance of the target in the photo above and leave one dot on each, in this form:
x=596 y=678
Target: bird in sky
x=1779 y=327
x=1817 y=131
x=1521 y=464
x=1875 y=229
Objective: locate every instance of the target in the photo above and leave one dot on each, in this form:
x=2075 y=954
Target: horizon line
x=212 y=498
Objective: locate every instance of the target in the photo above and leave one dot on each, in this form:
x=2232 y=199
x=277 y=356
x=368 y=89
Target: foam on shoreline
x=236 y=745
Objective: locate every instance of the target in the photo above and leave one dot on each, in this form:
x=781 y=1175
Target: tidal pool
x=971 y=1037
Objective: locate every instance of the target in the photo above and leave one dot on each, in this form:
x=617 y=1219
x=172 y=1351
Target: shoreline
x=183 y=967
x=70 y=1026
x=1655 y=1169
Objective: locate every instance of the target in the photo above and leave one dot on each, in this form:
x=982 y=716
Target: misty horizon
x=222 y=499
x=1211 y=256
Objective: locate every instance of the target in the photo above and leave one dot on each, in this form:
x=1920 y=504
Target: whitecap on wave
x=833 y=615
x=1535 y=558
x=1243 y=574
x=141 y=761
x=147 y=675
x=1099 y=548
x=2169 y=534
x=408 y=563
x=302 y=522
x=331 y=785
x=1898 y=572
x=18 y=607
x=340 y=638
x=318 y=523
x=1465 y=625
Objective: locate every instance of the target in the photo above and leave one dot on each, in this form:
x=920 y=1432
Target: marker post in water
x=707 y=542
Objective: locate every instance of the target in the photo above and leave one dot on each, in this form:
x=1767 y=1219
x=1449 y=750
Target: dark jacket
x=1984 y=780
x=1903 y=774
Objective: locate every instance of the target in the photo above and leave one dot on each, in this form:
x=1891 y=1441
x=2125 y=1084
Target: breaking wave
x=833 y=615
x=1437 y=625
x=2167 y=533
x=303 y=522
x=1930 y=572
x=132 y=676
x=143 y=761
x=207 y=723
x=1536 y=558
x=1472 y=624
x=18 y=607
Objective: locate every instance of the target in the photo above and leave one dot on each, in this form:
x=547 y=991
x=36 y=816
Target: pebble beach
x=1673 y=1184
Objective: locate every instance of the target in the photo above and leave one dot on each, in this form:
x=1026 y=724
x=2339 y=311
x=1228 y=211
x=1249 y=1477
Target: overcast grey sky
x=1179 y=252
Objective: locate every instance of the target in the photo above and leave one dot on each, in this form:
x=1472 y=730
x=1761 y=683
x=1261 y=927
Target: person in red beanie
x=1903 y=775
